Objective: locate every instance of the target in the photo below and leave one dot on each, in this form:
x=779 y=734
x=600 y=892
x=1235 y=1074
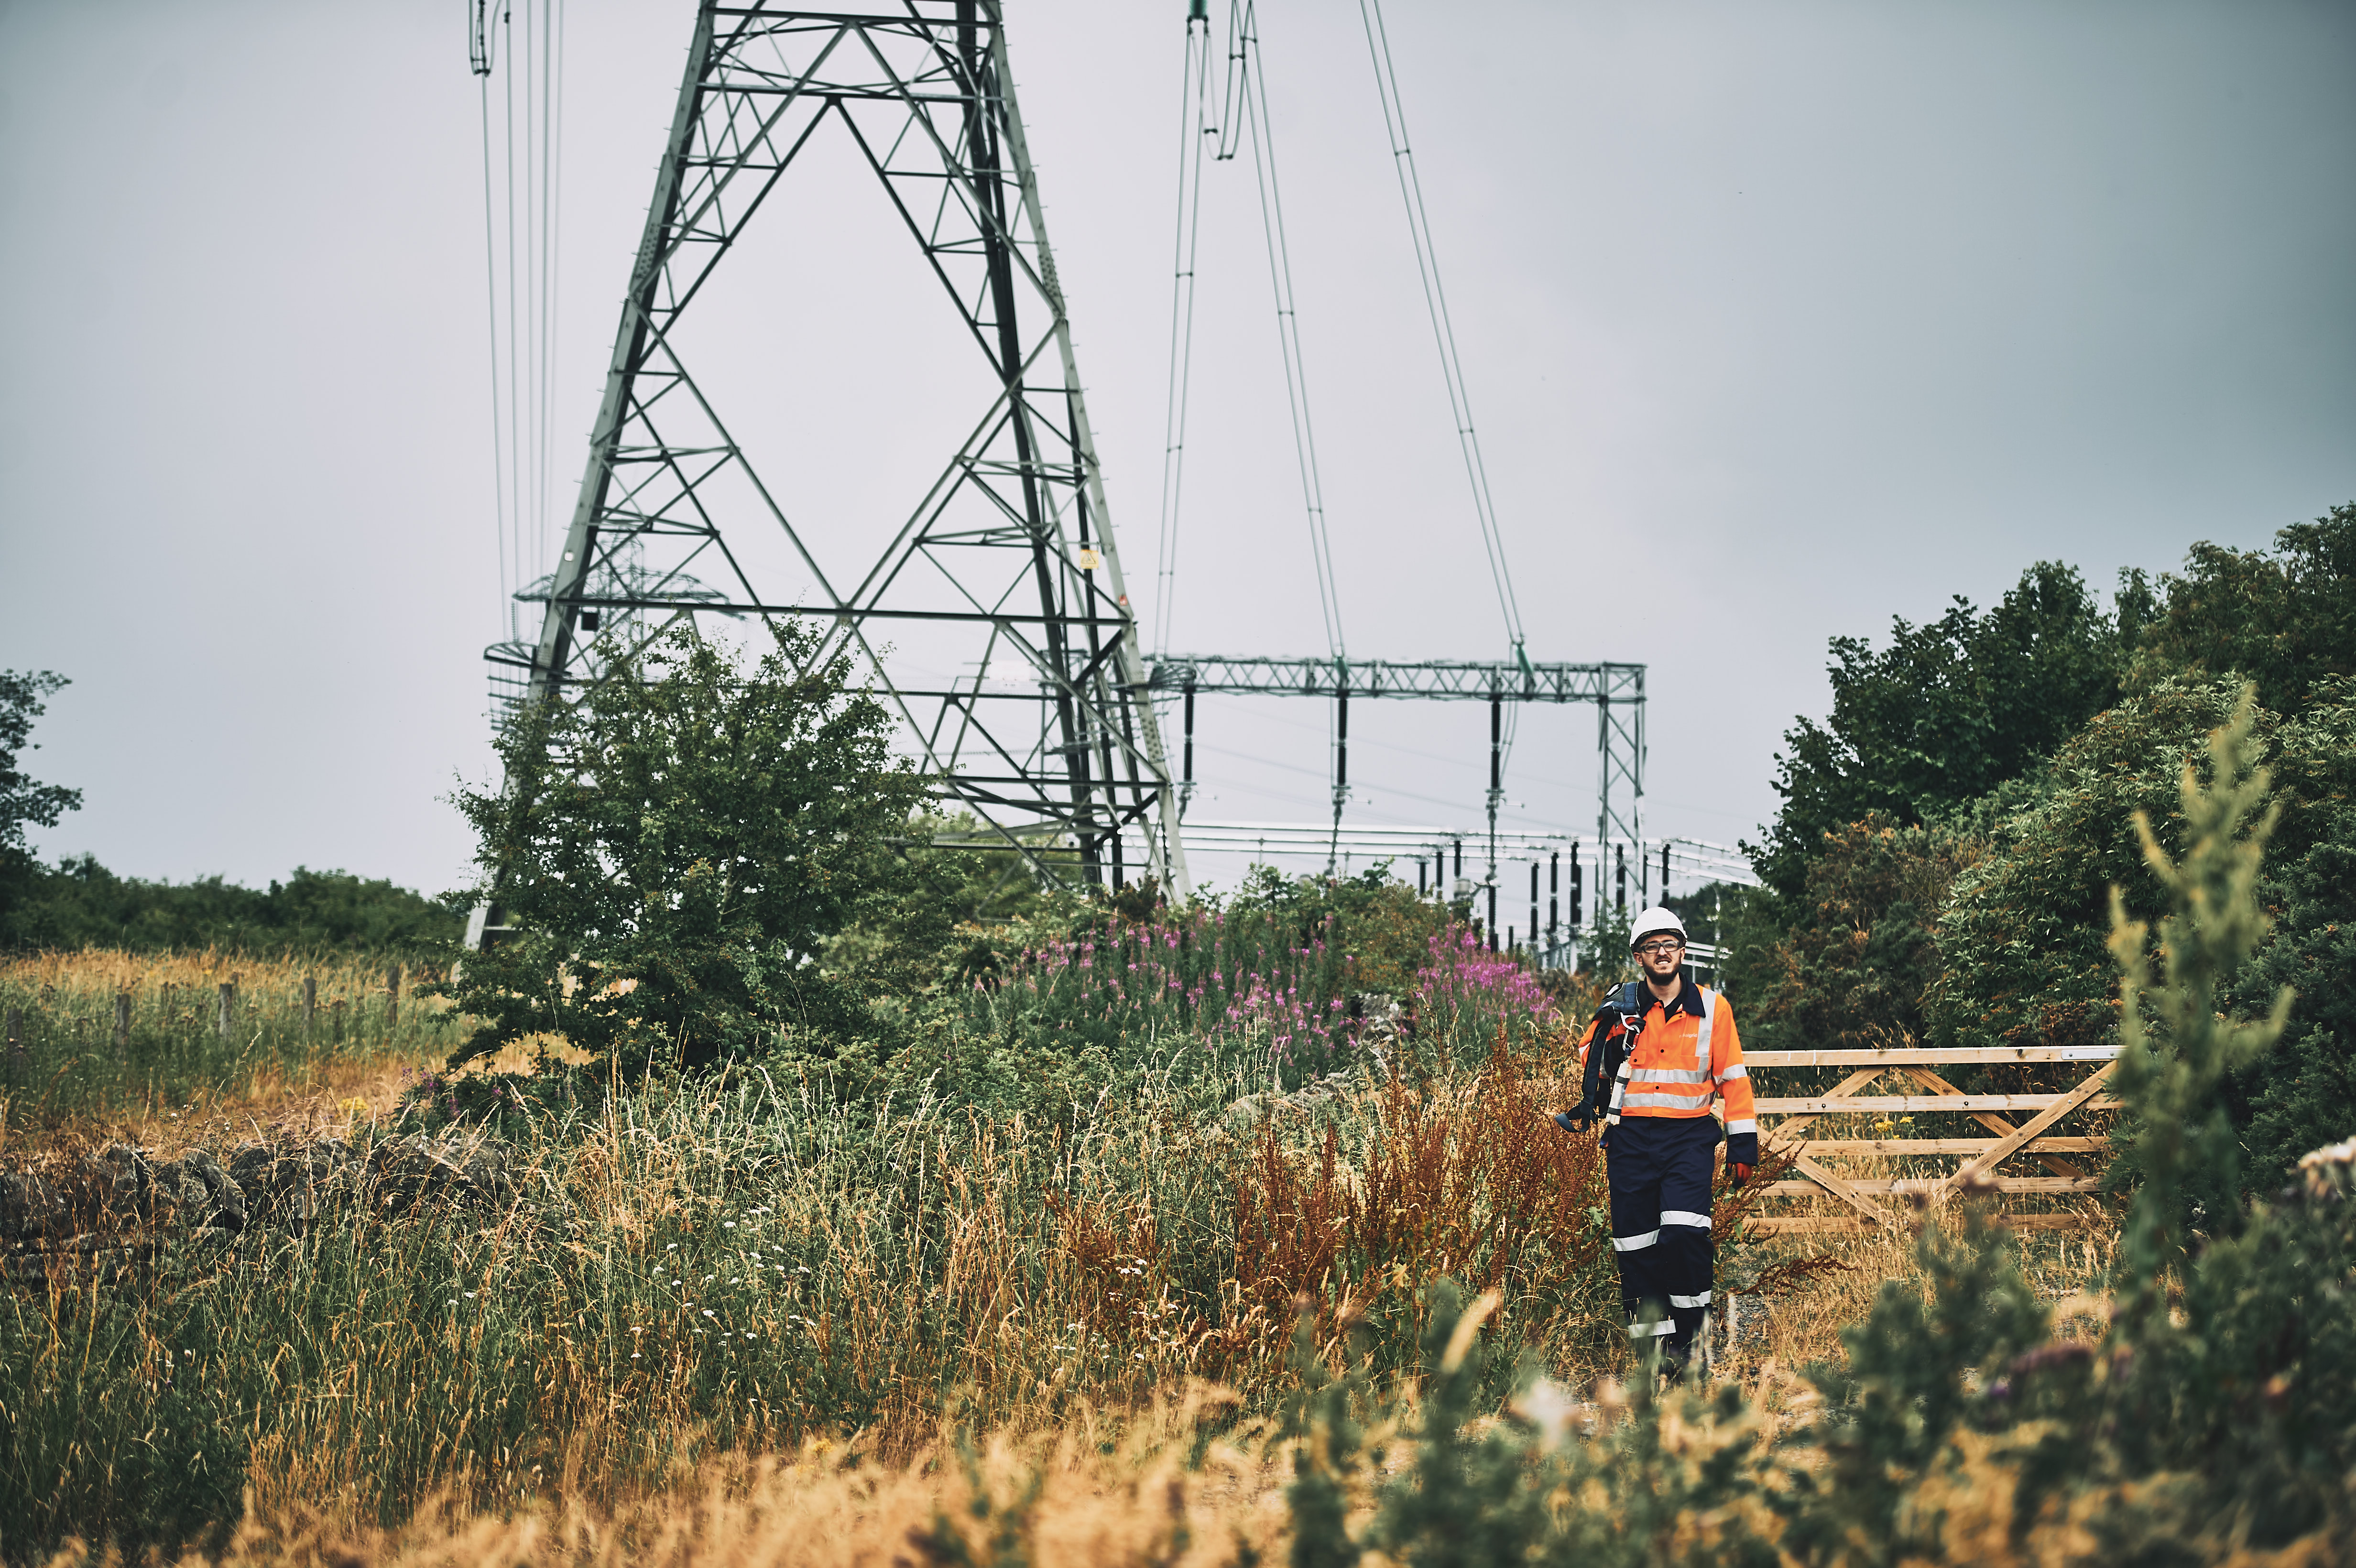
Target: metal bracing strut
x=1005 y=565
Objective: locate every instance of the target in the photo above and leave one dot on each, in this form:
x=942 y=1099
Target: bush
x=676 y=848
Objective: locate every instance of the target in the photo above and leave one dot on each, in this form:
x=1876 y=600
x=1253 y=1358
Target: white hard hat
x=1653 y=922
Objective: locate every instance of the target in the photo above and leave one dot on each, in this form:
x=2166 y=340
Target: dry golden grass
x=325 y=1094
x=1098 y=1488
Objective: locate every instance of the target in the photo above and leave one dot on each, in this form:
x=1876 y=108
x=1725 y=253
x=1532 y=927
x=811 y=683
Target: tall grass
x=745 y=1263
x=181 y=1040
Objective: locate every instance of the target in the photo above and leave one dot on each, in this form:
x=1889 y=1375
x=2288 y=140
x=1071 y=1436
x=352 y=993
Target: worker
x=1659 y=1049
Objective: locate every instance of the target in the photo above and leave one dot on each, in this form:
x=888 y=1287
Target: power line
x=1250 y=86
x=1192 y=127
x=1435 y=299
x=491 y=326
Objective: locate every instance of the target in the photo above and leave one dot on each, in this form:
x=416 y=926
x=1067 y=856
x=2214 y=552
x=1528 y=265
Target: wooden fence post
x=337 y=1010
x=123 y=1028
x=220 y=1012
x=391 y=996
x=310 y=1003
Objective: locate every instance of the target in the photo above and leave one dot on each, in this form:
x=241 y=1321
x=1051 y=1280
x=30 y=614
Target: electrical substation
x=991 y=606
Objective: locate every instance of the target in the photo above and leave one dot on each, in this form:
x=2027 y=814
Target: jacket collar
x=1687 y=1000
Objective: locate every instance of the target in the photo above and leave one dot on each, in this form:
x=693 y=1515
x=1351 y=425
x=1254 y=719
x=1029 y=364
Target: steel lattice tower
x=1005 y=565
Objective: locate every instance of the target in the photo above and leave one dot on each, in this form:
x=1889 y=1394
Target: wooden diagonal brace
x=1842 y=1190
x=1786 y=1132
x=2030 y=1129
x=2000 y=1125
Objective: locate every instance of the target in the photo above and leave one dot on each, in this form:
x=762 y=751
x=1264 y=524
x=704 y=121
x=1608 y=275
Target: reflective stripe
x=1702 y=1300
x=1746 y=1124
x=1708 y=1017
x=1634 y=1243
x=1672 y=1075
x=1683 y=1216
x=1665 y=1101
x=1650 y=1330
x=1733 y=1073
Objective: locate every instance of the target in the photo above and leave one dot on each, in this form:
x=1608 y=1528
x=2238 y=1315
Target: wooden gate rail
x=1865 y=1196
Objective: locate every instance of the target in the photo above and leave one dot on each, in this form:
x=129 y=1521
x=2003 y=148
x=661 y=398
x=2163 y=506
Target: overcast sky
x=1778 y=320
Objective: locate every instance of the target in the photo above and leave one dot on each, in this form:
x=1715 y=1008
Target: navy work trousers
x=1660 y=1169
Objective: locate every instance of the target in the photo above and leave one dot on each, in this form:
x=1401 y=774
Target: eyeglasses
x=1654 y=949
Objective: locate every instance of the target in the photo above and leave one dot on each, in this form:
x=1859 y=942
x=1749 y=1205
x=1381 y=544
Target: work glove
x=1741 y=1173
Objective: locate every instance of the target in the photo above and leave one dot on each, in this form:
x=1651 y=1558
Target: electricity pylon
x=1004 y=568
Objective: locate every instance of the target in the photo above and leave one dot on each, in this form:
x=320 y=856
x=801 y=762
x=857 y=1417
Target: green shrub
x=675 y=849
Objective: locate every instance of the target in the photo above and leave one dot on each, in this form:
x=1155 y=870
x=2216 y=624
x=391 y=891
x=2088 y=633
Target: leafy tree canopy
x=677 y=847
x=1851 y=970
x=2284 y=618
x=22 y=800
x=918 y=932
x=2021 y=958
x=81 y=903
x=1946 y=711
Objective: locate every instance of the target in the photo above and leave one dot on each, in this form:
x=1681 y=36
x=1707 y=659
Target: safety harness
x=1610 y=1059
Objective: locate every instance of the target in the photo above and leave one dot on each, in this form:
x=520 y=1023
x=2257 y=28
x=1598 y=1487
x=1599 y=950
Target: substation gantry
x=1615 y=690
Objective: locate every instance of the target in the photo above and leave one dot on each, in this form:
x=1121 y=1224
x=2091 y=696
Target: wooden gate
x=1848 y=1200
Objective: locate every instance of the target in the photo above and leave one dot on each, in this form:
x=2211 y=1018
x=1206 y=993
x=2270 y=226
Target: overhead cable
x=1248 y=84
x=522 y=167
x=1192 y=130
x=1427 y=260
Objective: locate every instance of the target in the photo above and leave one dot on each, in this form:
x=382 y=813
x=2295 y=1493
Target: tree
x=676 y=848
x=2022 y=963
x=1851 y=970
x=917 y=932
x=2284 y=619
x=1946 y=712
x=24 y=801
x=2305 y=1095
x=81 y=903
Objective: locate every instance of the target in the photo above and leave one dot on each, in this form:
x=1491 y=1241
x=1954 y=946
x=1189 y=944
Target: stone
x=217 y=1197
x=29 y=1207
x=286 y=1186
x=117 y=1184
x=470 y=1168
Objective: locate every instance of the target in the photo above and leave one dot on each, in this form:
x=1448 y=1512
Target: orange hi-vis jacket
x=1686 y=1053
